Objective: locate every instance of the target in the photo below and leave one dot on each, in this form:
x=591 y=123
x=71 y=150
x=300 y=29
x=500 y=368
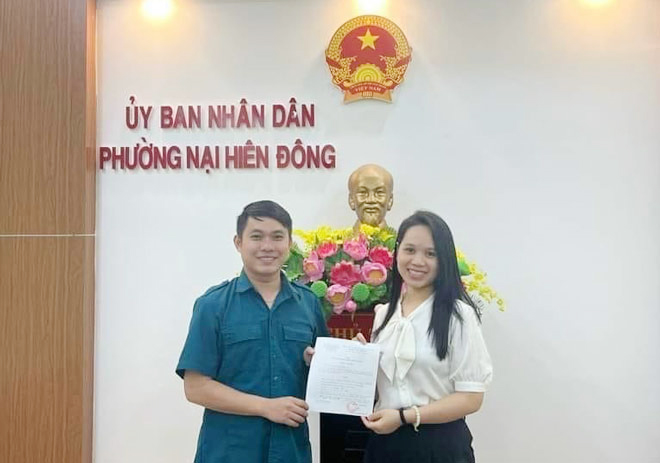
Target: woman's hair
x=447 y=285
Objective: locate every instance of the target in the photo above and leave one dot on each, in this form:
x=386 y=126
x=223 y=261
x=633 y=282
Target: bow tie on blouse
x=398 y=341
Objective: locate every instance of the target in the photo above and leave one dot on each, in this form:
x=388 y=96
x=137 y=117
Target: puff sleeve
x=470 y=366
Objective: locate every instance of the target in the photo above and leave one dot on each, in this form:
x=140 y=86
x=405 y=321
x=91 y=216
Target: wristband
x=418 y=418
x=403 y=418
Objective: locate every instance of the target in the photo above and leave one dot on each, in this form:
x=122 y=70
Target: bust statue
x=370 y=195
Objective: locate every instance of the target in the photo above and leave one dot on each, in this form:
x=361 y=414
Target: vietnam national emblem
x=368 y=57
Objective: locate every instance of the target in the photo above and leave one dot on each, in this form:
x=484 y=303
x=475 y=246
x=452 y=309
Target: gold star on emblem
x=368 y=40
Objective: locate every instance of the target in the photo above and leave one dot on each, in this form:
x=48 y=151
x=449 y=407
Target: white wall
x=531 y=126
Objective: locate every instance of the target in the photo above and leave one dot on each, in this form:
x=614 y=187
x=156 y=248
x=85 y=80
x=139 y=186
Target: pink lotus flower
x=338 y=296
x=373 y=273
x=350 y=306
x=345 y=273
x=356 y=248
x=313 y=267
x=381 y=255
x=326 y=249
x=337 y=310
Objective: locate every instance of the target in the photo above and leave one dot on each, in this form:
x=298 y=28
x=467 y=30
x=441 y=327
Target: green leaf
x=463 y=268
x=338 y=257
x=365 y=304
x=378 y=294
x=293 y=267
x=327 y=308
x=380 y=290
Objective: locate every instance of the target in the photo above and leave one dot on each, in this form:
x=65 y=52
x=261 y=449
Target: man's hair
x=261 y=209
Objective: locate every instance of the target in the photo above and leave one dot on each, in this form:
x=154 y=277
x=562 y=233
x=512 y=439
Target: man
x=245 y=359
x=370 y=195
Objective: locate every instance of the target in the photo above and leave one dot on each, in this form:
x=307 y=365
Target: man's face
x=371 y=198
x=264 y=246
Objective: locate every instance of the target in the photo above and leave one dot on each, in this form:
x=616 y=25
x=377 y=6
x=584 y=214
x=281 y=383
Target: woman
x=435 y=366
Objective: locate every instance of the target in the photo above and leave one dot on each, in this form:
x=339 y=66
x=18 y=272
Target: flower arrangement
x=346 y=270
x=350 y=271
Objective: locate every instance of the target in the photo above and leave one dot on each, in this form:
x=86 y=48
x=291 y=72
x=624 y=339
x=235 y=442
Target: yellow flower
x=323 y=234
x=476 y=283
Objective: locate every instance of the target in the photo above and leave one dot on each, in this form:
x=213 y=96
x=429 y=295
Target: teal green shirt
x=237 y=340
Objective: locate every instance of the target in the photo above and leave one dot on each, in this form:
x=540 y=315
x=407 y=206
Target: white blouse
x=410 y=372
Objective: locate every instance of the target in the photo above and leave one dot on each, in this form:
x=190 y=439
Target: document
x=342 y=377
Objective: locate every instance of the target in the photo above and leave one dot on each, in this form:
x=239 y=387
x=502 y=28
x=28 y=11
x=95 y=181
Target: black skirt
x=434 y=443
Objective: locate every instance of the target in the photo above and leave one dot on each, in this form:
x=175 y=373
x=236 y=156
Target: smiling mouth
x=416 y=273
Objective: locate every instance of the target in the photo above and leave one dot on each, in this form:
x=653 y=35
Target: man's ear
x=237 y=242
x=351 y=202
x=390 y=202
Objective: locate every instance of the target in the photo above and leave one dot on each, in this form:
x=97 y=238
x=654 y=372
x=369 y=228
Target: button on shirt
x=410 y=372
x=237 y=340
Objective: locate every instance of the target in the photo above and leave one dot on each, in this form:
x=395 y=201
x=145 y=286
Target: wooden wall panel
x=44 y=366
x=47 y=223
x=46 y=108
x=86 y=346
x=88 y=194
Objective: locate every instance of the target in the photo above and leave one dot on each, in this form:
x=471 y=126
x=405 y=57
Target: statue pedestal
x=344 y=437
x=347 y=325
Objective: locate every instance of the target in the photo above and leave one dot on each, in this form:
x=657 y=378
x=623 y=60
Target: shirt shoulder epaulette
x=213 y=298
x=302 y=287
x=216 y=288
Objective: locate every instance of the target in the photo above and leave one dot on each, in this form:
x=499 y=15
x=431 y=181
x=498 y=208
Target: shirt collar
x=398 y=337
x=399 y=346
x=244 y=284
x=425 y=305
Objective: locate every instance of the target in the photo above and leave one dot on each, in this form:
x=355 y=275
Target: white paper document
x=342 y=377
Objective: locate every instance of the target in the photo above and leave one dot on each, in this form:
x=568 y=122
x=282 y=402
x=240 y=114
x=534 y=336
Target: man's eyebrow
x=259 y=230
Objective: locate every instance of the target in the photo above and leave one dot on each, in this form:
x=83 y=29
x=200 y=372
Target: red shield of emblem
x=368 y=57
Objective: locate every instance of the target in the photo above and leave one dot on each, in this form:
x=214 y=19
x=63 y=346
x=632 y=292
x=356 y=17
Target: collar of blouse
x=398 y=342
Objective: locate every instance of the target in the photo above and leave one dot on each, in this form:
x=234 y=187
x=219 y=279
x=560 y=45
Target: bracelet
x=418 y=418
x=403 y=418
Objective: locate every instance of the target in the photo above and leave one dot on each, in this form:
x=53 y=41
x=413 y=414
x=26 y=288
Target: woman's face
x=416 y=259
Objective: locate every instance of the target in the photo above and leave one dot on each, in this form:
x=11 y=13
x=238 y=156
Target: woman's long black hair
x=447 y=285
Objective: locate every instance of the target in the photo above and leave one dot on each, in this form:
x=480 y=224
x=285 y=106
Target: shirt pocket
x=298 y=333
x=243 y=352
x=241 y=333
x=296 y=339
